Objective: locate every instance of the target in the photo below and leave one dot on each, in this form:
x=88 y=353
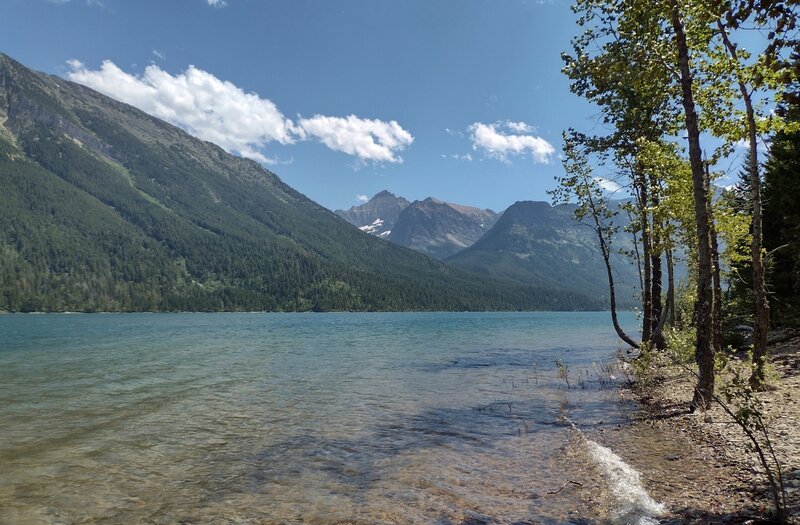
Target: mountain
x=485 y=217
x=440 y=229
x=433 y=227
x=376 y=216
x=105 y=208
x=534 y=242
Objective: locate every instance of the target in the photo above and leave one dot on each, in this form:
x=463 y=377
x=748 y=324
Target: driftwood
x=564 y=485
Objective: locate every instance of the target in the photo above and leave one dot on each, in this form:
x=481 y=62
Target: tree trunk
x=657 y=306
x=647 y=290
x=716 y=305
x=657 y=337
x=662 y=321
x=704 y=352
x=612 y=295
x=605 y=250
x=636 y=252
x=670 y=305
x=759 y=279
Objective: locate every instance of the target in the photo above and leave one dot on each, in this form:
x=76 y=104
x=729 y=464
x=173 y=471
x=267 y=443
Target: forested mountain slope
x=534 y=242
x=105 y=208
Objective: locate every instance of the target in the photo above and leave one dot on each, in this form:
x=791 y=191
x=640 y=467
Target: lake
x=446 y=418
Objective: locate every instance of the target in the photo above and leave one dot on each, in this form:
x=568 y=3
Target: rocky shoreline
x=712 y=476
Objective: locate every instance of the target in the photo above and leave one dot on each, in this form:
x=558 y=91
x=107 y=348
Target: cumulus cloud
x=197 y=101
x=608 y=185
x=362 y=198
x=519 y=127
x=501 y=140
x=763 y=147
x=220 y=112
x=373 y=140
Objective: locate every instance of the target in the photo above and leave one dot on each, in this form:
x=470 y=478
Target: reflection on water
x=296 y=418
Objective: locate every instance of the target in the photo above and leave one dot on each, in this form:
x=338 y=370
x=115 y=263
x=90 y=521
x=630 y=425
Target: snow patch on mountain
x=374 y=228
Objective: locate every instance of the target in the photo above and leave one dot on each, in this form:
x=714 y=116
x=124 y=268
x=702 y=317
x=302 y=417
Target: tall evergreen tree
x=782 y=218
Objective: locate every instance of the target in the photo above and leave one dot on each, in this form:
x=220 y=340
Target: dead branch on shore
x=564 y=485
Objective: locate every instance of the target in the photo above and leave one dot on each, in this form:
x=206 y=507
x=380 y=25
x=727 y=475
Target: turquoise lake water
x=439 y=418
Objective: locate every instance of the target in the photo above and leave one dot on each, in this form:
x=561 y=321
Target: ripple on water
x=252 y=418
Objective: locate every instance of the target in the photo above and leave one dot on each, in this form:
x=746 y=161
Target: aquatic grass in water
x=299 y=418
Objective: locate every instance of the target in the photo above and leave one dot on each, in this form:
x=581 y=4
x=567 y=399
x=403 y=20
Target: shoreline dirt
x=700 y=466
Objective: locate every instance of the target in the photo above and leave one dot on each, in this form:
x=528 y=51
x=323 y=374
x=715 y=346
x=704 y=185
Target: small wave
x=633 y=505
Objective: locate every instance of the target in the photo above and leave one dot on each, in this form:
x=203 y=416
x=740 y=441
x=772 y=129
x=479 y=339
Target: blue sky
x=460 y=99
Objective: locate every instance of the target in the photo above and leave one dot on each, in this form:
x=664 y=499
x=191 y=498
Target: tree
x=593 y=206
x=662 y=71
x=781 y=214
x=614 y=64
x=633 y=60
x=732 y=71
x=704 y=351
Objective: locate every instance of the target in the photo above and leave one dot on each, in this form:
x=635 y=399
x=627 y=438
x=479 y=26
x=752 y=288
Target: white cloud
x=362 y=198
x=519 y=127
x=197 y=101
x=744 y=144
x=466 y=157
x=369 y=140
x=220 y=112
x=160 y=54
x=501 y=140
x=217 y=3
x=608 y=185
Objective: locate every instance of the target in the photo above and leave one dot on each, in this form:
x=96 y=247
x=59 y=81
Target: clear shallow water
x=297 y=418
